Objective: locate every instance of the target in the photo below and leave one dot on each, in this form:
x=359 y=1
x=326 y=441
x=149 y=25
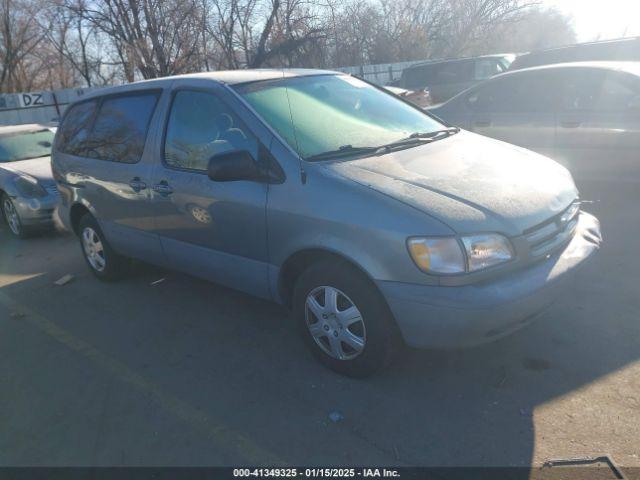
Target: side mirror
x=232 y=166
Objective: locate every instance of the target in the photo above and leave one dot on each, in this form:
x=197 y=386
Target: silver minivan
x=376 y=224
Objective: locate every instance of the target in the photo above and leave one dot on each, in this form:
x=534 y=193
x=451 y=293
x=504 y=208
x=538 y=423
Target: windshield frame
x=236 y=87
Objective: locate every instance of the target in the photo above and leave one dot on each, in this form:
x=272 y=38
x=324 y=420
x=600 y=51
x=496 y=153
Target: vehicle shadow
x=237 y=359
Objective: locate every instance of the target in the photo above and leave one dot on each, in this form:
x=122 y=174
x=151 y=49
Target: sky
x=603 y=19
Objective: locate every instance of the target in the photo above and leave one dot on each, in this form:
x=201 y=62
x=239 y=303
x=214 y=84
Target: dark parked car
x=585 y=115
x=370 y=219
x=445 y=78
x=420 y=98
x=625 y=49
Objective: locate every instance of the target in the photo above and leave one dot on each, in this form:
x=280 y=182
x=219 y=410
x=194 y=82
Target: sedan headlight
x=448 y=255
x=29 y=187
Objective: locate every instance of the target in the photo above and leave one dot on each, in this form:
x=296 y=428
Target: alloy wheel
x=11 y=215
x=335 y=323
x=93 y=249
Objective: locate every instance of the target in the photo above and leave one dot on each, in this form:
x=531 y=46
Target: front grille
x=52 y=190
x=546 y=237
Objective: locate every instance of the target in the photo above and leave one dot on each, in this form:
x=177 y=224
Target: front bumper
x=449 y=317
x=36 y=212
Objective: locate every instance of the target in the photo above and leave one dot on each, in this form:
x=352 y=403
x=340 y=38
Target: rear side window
x=120 y=129
x=74 y=131
x=487 y=68
x=599 y=91
x=439 y=73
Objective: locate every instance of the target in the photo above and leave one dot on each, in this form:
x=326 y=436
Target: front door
x=215 y=230
x=599 y=124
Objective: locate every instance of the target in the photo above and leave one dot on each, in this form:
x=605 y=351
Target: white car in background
x=28 y=193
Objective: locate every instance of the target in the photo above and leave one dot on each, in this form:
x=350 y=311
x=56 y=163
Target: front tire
x=344 y=320
x=12 y=217
x=101 y=259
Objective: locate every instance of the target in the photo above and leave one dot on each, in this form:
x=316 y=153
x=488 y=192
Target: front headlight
x=437 y=254
x=447 y=255
x=29 y=187
x=486 y=250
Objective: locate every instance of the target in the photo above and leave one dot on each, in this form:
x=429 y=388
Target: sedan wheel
x=93 y=249
x=11 y=215
x=335 y=323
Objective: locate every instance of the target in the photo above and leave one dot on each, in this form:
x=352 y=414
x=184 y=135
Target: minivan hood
x=38 y=168
x=470 y=182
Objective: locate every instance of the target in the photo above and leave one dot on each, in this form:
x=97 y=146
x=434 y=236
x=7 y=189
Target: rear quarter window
x=74 y=131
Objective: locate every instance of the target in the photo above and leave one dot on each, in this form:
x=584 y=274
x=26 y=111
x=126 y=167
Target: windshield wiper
x=438 y=133
x=344 y=150
x=417 y=138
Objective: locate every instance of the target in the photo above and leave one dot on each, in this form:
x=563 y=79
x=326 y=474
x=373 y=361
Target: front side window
x=25 y=145
x=200 y=126
x=332 y=112
x=74 y=131
x=487 y=68
x=120 y=129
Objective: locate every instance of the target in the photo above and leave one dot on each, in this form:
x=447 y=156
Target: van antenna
x=303 y=173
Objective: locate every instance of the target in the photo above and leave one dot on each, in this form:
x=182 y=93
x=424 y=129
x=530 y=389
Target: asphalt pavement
x=165 y=369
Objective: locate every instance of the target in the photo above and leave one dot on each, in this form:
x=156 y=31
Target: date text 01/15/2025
x=316 y=472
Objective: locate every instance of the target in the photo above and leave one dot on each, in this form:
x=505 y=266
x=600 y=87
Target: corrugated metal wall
x=381 y=74
x=37 y=107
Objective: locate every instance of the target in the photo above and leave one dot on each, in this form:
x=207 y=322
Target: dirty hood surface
x=471 y=183
x=39 y=168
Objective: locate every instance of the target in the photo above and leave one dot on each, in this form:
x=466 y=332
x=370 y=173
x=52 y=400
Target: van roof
x=437 y=61
x=625 y=66
x=229 y=77
x=577 y=46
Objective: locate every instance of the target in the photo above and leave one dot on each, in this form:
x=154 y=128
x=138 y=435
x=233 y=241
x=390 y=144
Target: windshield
x=25 y=145
x=330 y=112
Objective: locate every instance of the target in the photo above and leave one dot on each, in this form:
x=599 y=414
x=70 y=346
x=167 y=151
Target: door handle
x=570 y=124
x=163 y=188
x=136 y=184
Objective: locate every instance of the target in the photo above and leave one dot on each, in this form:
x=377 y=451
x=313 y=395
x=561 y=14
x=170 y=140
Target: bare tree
x=61 y=43
x=152 y=38
x=19 y=37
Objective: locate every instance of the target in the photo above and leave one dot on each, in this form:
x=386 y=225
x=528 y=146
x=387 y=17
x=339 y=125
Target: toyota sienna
x=375 y=223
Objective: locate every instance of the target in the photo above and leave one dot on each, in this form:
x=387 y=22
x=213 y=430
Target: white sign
x=34 y=99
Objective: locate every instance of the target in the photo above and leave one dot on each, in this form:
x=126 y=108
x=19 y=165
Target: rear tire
x=101 y=259
x=355 y=335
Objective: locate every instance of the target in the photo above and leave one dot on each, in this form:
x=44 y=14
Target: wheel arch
x=300 y=260
x=76 y=212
